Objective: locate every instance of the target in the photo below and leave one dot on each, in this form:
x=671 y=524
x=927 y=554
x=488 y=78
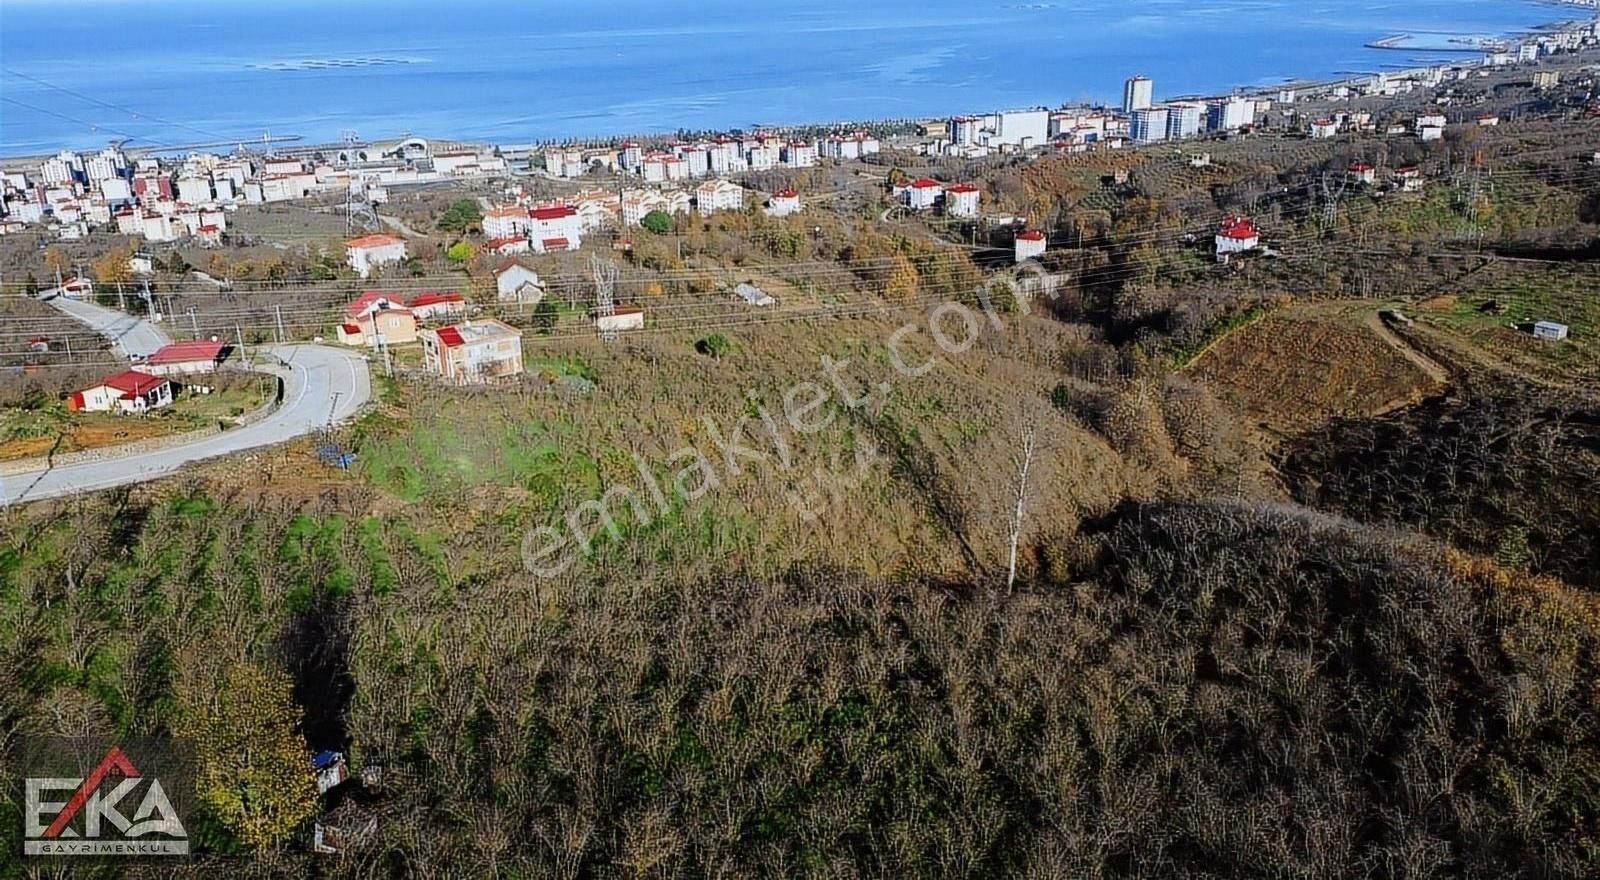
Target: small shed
x=1550 y=330
x=330 y=768
x=753 y=295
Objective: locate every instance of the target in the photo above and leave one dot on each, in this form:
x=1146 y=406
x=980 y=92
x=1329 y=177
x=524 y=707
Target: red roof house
x=197 y=356
x=427 y=306
x=1236 y=235
x=129 y=391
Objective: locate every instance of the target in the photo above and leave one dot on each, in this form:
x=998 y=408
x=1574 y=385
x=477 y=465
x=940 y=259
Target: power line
x=120 y=108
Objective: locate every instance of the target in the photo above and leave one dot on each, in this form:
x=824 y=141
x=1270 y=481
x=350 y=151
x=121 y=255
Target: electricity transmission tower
x=605 y=289
x=1331 y=197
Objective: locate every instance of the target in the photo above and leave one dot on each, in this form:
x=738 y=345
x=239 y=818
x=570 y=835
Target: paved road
x=132 y=336
x=320 y=383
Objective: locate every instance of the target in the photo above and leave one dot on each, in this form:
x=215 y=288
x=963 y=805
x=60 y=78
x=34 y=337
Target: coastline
x=1262 y=86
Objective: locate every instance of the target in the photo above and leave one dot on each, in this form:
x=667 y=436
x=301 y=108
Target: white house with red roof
x=372 y=251
x=1236 y=235
x=473 y=351
x=1031 y=243
x=1410 y=178
x=129 y=392
x=923 y=193
x=184 y=358
x=377 y=318
x=555 y=227
x=1324 y=128
x=433 y=305
x=961 y=200
x=1363 y=173
x=508 y=245
x=783 y=203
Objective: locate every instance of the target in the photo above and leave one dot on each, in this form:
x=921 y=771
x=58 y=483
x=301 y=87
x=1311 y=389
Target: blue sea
x=77 y=73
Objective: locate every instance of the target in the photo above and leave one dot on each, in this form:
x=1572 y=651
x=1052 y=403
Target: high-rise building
x=1138 y=93
x=1184 y=120
x=1148 y=125
x=1230 y=114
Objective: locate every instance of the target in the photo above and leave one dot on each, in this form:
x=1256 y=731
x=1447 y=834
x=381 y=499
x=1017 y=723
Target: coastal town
x=1147 y=484
x=591 y=201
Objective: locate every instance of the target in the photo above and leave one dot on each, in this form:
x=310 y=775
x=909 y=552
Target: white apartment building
x=718 y=195
x=1230 y=114
x=506 y=221
x=1184 y=120
x=1138 y=93
x=799 y=154
x=1149 y=125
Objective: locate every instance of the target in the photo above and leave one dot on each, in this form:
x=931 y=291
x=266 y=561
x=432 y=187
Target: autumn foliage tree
x=254 y=775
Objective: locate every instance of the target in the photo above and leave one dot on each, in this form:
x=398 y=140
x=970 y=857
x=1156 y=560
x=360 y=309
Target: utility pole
x=122 y=305
x=383 y=346
x=239 y=334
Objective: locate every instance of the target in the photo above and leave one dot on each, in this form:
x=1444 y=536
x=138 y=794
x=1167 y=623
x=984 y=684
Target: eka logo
x=113 y=810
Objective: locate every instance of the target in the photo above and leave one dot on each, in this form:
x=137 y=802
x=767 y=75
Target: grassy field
x=1563 y=294
x=910 y=478
x=1298 y=368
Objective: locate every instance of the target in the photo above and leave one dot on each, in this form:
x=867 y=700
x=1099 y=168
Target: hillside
x=1141 y=708
x=1305 y=364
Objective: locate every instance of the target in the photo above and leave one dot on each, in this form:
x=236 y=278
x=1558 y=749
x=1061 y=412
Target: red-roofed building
x=183 y=358
x=371 y=251
x=1410 y=177
x=472 y=352
x=429 y=306
x=129 y=392
x=1236 y=236
x=378 y=318
x=783 y=203
x=961 y=200
x=510 y=244
x=1030 y=244
x=1362 y=172
x=923 y=193
x=555 y=221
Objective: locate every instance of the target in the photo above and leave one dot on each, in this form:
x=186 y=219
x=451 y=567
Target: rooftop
x=133 y=383
x=373 y=241
x=476 y=331
x=184 y=352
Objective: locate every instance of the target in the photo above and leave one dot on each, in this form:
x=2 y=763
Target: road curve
x=320 y=384
x=132 y=336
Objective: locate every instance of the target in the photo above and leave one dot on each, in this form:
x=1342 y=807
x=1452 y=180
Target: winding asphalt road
x=321 y=384
x=133 y=337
